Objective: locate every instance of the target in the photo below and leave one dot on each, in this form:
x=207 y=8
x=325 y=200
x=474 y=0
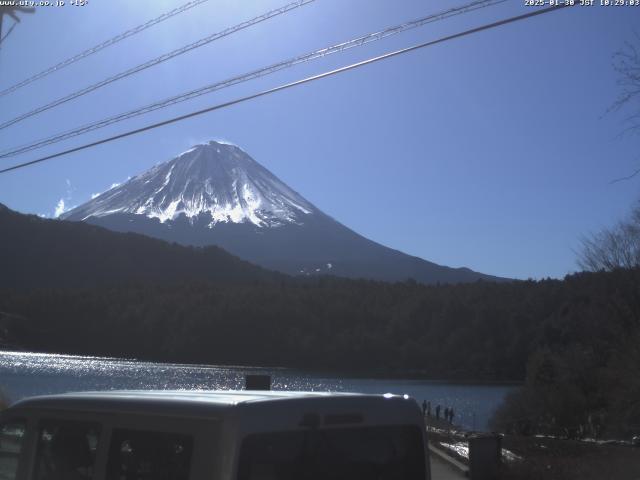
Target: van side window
x=392 y=452
x=11 y=437
x=66 y=450
x=140 y=455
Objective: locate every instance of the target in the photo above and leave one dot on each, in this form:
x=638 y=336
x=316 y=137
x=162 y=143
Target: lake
x=24 y=374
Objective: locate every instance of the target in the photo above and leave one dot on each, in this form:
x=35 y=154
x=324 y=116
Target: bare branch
x=628 y=177
x=626 y=63
x=618 y=247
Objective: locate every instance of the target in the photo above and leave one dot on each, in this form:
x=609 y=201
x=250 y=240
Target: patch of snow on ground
x=461 y=448
x=509 y=456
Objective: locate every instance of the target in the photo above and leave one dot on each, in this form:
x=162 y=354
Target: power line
x=157 y=60
x=290 y=85
x=101 y=46
x=362 y=40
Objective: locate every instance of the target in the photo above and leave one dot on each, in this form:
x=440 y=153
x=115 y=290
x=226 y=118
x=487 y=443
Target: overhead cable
x=101 y=46
x=162 y=58
x=362 y=40
x=290 y=85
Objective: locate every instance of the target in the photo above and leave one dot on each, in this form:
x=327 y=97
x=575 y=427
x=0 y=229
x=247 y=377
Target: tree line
x=574 y=341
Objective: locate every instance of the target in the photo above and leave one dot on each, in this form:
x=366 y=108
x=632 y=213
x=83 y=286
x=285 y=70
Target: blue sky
x=492 y=151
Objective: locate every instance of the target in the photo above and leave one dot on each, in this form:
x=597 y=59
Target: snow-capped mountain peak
x=216 y=194
x=216 y=180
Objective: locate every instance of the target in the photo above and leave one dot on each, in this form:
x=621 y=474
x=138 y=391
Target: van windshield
x=383 y=452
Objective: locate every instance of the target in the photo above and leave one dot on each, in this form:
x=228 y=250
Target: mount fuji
x=216 y=194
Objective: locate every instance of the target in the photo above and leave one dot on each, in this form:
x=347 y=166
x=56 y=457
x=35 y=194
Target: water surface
x=25 y=374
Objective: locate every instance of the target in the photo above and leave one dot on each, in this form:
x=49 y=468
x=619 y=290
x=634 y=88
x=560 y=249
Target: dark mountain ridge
x=37 y=252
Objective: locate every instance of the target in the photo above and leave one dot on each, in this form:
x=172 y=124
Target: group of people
x=447 y=413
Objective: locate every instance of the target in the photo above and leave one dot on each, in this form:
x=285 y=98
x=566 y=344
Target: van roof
x=198 y=402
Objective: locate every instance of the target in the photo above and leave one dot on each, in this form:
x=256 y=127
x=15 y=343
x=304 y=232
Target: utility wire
x=290 y=85
x=371 y=37
x=157 y=60
x=101 y=46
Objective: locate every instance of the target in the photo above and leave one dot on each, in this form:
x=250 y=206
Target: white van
x=194 y=435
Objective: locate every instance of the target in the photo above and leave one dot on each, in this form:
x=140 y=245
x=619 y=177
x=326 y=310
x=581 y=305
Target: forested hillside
x=582 y=374
x=37 y=252
x=474 y=331
x=574 y=341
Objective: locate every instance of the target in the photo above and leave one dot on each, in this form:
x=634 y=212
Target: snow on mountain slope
x=216 y=180
x=216 y=194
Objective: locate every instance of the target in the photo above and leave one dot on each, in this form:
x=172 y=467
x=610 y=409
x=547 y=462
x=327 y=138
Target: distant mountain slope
x=36 y=252
x=216 y=194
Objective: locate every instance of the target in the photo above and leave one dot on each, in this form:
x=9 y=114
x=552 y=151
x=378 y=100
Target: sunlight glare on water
x=24 y=374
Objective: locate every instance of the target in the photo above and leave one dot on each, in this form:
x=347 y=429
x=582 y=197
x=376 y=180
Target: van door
x=389 y=452
x=149 y=455
x=67 y=449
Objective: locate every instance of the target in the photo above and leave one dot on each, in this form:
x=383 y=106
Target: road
x=442 y=470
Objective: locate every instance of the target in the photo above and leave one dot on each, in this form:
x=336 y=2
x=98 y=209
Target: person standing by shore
x=438 y=412
x=451 y=415
x=424 y=408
